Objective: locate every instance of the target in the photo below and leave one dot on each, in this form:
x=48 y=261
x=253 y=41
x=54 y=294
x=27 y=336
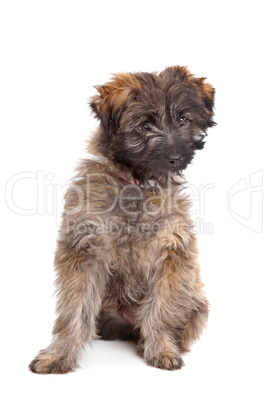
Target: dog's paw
x=48 y=363
x=166 y=361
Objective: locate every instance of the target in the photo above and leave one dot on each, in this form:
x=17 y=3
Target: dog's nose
x=175 y=160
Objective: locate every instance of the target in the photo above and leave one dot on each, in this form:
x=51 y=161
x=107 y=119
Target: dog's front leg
x=158 y=317
x=80 y=290
x=159 y=349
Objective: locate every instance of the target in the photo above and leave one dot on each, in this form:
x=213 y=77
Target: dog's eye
x=146 y=125
x=183 y=120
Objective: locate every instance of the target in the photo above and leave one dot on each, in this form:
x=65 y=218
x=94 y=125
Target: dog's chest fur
x=102 y=207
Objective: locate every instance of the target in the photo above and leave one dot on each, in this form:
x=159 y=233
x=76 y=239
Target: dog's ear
x=111 y=98
x=206 y=92
x=97 y=102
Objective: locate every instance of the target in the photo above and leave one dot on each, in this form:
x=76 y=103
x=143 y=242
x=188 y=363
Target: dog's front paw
x=48 y=363
x=166 y=361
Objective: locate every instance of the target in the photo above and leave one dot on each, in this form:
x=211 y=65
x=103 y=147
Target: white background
x=52 y=53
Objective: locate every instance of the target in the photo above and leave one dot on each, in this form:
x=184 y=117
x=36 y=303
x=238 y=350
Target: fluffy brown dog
x=127 y=257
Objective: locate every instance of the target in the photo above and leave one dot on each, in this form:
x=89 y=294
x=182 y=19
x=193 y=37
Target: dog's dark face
x=153 y=123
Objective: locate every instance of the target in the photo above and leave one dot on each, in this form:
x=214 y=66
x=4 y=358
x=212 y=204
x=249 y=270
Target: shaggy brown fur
x=127 y=257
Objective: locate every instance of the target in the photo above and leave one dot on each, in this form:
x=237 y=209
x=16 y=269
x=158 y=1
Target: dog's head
x=153 y=123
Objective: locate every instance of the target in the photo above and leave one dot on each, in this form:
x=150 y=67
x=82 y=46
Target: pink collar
x=130 y=181
x=134 y=181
